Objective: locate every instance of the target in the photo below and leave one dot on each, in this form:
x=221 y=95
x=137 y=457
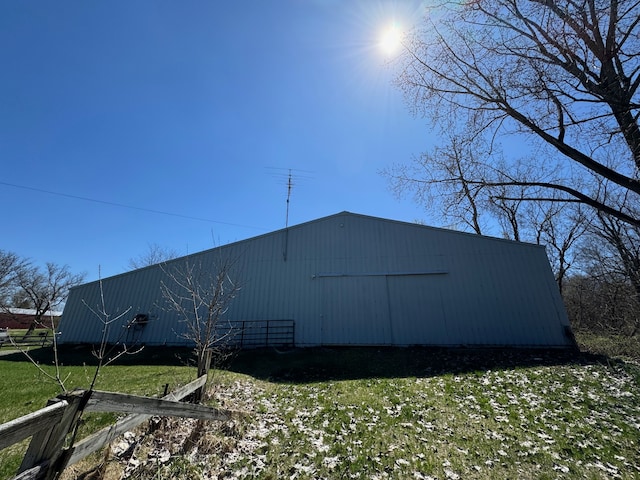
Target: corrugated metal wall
x=354 y=280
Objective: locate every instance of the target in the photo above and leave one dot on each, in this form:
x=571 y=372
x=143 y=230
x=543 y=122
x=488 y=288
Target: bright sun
x=391 y=40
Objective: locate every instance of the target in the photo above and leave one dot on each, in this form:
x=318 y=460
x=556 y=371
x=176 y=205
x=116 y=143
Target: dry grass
x=610 y=345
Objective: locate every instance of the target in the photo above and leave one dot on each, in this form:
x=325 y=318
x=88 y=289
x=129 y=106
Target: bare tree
x=445 y=182
x=623 y=261
x=561 y=75
x=456 y=182
x=46 y=289
x=154 y=254
x=560 y=227
x=11 y=265
x=201 y=297
x=470 y=185
x=600 y=300
x=24 y=285
x=508 y=212
x=605 y=297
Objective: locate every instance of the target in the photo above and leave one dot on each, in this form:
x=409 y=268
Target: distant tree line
x=26 y=285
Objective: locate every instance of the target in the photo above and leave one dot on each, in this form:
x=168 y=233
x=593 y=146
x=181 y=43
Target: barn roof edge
x=317 y=220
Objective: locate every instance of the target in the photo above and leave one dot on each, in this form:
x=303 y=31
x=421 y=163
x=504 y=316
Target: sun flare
x=391 y=40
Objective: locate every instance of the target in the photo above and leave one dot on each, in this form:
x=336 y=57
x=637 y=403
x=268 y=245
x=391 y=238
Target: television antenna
x=289 y=177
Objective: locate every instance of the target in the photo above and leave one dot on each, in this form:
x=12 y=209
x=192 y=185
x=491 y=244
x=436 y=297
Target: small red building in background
x=24 y=317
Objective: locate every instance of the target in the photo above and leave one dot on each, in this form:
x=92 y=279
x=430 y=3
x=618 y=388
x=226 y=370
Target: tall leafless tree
x=26 y=285
x=10 y=267
x=446 y=183
x=561 y=228
x=561 y=75
x=509 y=212
x=456 y=182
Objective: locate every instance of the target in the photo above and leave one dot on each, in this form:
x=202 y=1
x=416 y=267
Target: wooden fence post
x=52 y=429
x=47 y=445
x=103 y=437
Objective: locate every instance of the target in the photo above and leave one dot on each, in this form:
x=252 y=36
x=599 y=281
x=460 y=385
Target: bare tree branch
x=560 y=74
x=155 y=254
x=46 y=290
x=201 y=297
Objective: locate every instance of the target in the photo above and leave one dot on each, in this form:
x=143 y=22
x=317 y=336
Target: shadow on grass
x=79 y=355
x=352 y=363
x=336 y=363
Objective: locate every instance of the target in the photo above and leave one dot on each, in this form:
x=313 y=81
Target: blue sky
x=190 y=108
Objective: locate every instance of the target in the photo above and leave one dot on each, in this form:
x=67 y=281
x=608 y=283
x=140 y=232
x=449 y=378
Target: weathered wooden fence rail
x=17 y=430
x=50 y=427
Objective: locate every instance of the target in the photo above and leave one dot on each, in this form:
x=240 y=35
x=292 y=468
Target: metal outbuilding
x=350 y=279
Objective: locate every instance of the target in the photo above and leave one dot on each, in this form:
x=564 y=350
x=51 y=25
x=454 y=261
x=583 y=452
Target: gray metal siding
x=417 y=311
x=355 y=311
x=356 y=280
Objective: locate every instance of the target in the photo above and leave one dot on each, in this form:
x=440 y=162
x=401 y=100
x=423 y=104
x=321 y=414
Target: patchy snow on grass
x=560 y=421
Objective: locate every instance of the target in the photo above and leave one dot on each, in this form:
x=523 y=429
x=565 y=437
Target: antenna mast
x=286 y=177
x=289 y=187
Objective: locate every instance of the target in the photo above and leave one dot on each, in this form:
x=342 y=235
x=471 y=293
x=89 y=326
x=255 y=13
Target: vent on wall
x=140 y=320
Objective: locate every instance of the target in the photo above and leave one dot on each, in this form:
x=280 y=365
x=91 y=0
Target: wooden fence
x=50 y=427
x=41 y=339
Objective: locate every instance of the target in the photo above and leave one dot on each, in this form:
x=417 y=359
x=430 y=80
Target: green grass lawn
x=574 y=420
x=21 y=332
x=381 y=413
x=24 y=389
